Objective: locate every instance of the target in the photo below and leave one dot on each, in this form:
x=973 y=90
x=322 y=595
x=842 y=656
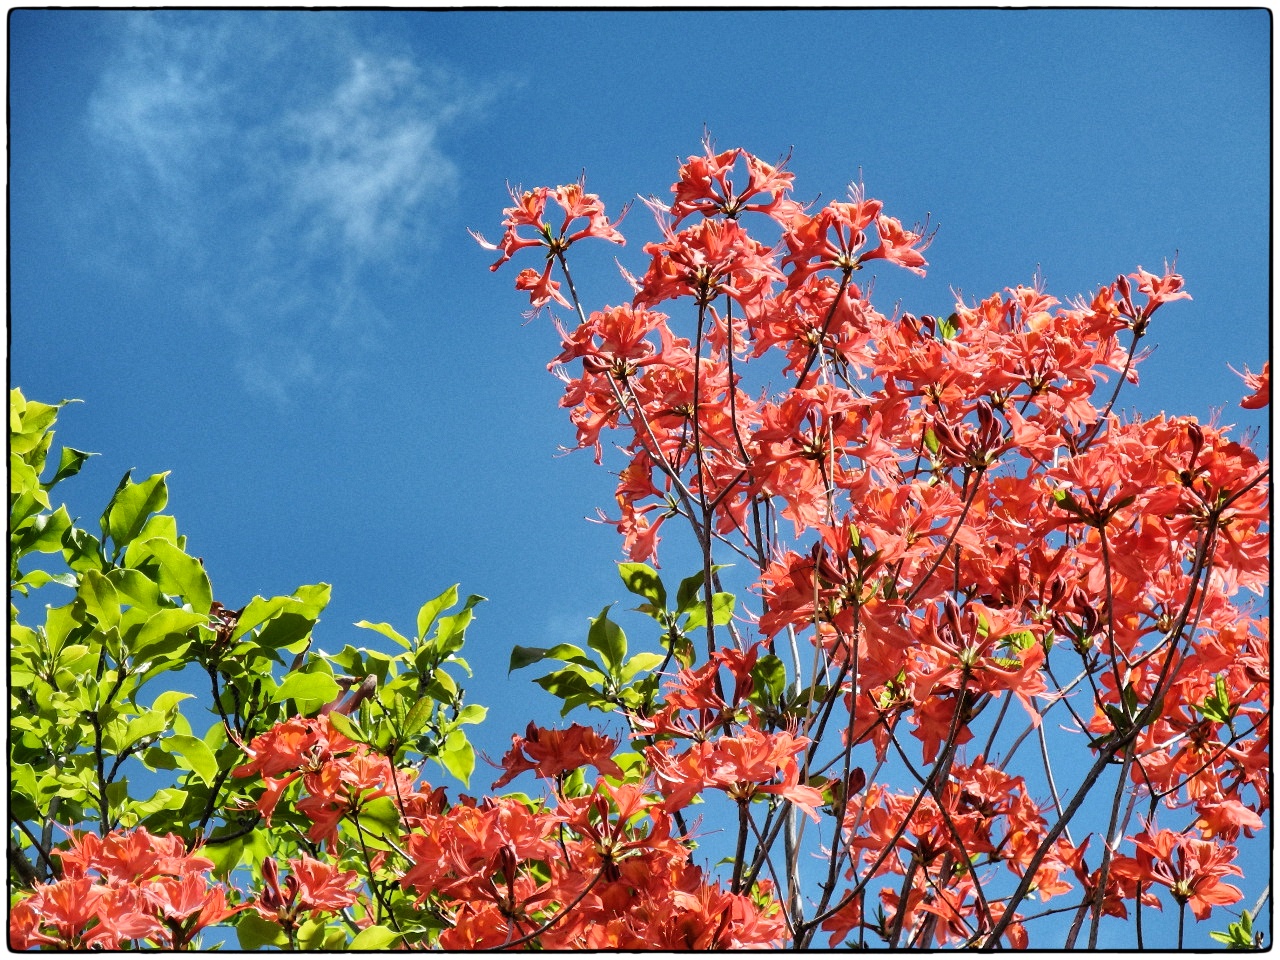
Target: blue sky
x=240 y=238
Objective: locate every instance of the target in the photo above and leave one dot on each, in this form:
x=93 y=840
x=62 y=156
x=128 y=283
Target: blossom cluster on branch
x=977 y=601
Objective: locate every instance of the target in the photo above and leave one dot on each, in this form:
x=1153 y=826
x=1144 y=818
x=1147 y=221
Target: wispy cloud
x=159 y=100
x=282 y=160
x=372 y=157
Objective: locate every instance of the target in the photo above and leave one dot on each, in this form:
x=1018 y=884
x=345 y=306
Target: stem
x=968 y=502
x=791 y=854
x=559 y=916
x=1077 y=922
x=740 y=852
x=701 y=473
x=103 y=816
x=18 y=860
x=1110 y=610
x=1100 y=763
x=373 y=885
x=212 y=805
x=1115 y=394
x=816 y=350
x=1100 y=895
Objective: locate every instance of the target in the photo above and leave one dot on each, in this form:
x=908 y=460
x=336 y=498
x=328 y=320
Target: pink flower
x=1259 y=383
x=542 y=289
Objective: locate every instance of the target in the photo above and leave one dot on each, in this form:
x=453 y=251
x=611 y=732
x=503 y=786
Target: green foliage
x=420 y=708
x=615 y=680
x=1240 y=936
x=110 y=628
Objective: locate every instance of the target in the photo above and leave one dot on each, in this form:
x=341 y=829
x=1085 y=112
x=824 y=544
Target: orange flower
x=553 y=752
x=1259 y=384
x=1190 y=868
x=704 y=186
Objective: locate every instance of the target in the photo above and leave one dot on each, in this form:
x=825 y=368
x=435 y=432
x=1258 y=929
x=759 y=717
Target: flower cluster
x=967 y=518
x=122 y=888
x=978 y=602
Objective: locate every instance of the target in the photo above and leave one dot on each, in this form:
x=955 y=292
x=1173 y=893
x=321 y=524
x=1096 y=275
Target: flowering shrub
x=979 y=675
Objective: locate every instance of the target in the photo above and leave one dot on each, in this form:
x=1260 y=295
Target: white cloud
x=158 y=101
x=272 y=370
x=371 y=157
x=280 y=159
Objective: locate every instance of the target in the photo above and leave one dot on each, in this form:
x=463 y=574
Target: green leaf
x=346 y=726
x=314 y=598
x=311 y=934
x=43 y=534
x=17 y=406
x=607 y=639
x=770 y=676
x=130 y=506
x=167 y=702
x=442 y=688
x=82 y=551
x=138 y=589
x=640 y=663
x=255 y=933
x=721 y=610
x=38 y=578
x=69 y=464
x=100 y=599
x=472 y=713
x=690 y=593
x=306 y=604
x=26 y=496
x=182 y=575
x=574 y=689
x=428 y=612
x=319 y=688
x=371 y=938
x=642 y=580
x=931 y=440
x=165 y=798
x=160 y=526
x=1239 y=936
x=284 y=631
x=690 y=589
x=193 y=754
x=522 y=657
x=150 y=724
x=451 y=632
x=28 y=429
x=387 y=631
x=418 y=716
x=258 y=611
x=564 y=652
x=169 y=624
x=382 y=814
x=458 y=756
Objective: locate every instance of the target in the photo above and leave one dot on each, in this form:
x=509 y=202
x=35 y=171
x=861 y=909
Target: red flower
x=830 y=239
x=542 y=289
x=299 y=743
x=312 y=888
x=553 y=752
x=528 y=211
x=744 y=767
x=900 y=246
x=1259 y=384
x=710 y=258
x=704 y=186
x=1190 y=868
